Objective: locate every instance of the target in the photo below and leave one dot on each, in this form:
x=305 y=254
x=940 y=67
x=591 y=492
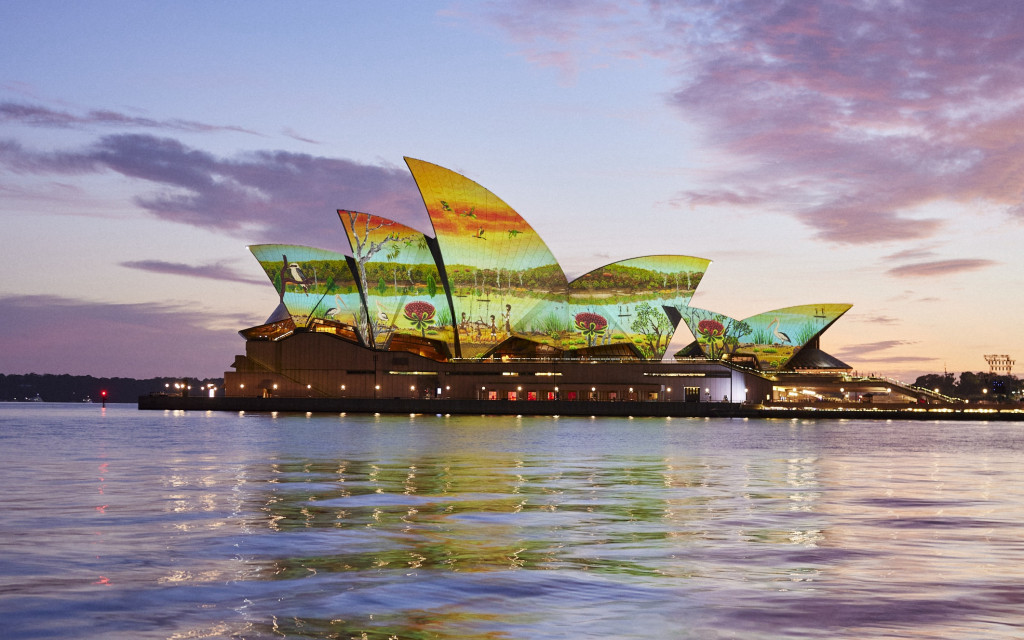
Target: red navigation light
x=103 y=393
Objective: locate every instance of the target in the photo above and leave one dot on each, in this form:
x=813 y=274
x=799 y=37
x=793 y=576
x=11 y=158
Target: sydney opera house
x=480 y=309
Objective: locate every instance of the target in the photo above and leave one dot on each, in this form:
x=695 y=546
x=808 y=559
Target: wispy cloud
x=282 y=196
x=140 y=340
x=939 y=268
x=874 y=319
x=893 y=359
x=35 y=115
x=295 y=136
x=873 y=353
x=211 y=271
x=872 y=347
x=910 y=254
x=872 y=109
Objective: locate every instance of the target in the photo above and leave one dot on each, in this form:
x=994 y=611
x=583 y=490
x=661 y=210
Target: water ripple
x=124 y=524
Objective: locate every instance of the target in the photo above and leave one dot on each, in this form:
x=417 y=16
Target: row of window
x=690 y=394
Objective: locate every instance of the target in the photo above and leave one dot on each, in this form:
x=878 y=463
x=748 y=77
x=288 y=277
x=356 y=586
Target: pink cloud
x=939 y=268
x=874 y=108
x=910 y=254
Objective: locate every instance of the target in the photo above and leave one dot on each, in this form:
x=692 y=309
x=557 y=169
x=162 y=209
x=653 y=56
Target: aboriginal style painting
x=503 y=279
x=624 y=302
x=401 y=282
x=485 y=285
x=311 y=283
x=769 y=340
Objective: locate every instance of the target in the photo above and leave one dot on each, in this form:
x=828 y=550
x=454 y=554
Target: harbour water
x=118 y=523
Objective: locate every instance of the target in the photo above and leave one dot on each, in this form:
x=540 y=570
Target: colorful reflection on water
x=137 y=524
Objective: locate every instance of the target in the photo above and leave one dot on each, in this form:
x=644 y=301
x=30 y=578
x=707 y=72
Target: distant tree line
x=974 y=386
x=69 y=388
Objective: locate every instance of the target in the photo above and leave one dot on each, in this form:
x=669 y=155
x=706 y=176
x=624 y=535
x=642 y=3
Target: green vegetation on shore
x=974 y=386
x=68 y=388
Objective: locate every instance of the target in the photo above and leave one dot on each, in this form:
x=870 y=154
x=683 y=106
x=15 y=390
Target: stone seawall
x=563 y=408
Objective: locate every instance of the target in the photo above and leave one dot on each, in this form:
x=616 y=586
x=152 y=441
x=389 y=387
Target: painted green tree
x=654 y=326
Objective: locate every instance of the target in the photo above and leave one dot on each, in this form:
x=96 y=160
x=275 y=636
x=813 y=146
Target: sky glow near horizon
x=844 y=152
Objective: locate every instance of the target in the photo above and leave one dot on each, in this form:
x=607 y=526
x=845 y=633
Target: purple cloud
x=867 y=110
x=939 y=268
x=288 y=131
x=212 y=271
x=275 y=196
x=39 y=116
x=44 y=334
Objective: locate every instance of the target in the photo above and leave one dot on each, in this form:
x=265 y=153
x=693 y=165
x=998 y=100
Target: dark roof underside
x=809 y=358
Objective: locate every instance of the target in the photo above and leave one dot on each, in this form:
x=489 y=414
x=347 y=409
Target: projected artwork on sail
x=503 y=279
x=311 y=283
x=624 y=302
x=768 y=340
x=401 y=281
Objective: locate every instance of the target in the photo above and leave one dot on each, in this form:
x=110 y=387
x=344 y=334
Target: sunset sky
x=837 y=152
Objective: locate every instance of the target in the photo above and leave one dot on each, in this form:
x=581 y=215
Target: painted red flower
x=711 y=328
x=420 y=314
x=591 y=324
